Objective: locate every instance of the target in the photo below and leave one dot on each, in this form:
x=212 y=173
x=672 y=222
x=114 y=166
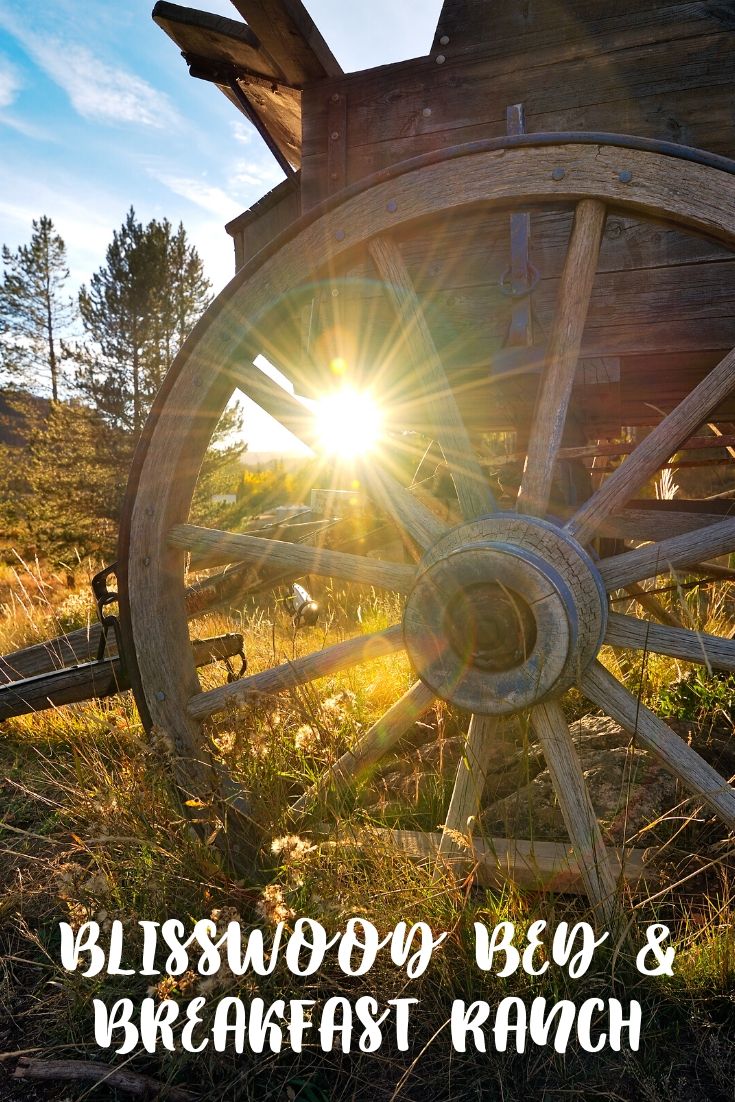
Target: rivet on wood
x=426 y=112
x=334 y=135
x=147 y=561
x=340 y=235
x=625 y=176
x=149 y=510
x=444 y=40
x=440 y=59
x=160 y=695
x=391 y=206
x=335 y=97
x=335 y=292
x=558 y=173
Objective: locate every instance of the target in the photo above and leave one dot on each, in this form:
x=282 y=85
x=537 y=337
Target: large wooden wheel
x=544 y=598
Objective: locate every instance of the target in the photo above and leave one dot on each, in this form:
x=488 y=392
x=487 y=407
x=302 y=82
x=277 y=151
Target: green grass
x=92 y=829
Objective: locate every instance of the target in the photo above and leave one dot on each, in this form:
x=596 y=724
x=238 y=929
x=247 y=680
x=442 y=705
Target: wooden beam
x=535 y=866
x=214 y=37
x=291 y=37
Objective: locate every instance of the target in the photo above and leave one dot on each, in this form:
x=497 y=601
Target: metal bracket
x=105 y=596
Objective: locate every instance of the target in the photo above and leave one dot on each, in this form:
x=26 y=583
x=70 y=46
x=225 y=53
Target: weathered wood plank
x=291 y=37
x=555 y=390
x=560 y=755
x=535 y=866
x=691 y=646
x=214 y=37
x=211 y=547
x=94 y=680
x=371 y=747
x=331 y=660
x=660 y=558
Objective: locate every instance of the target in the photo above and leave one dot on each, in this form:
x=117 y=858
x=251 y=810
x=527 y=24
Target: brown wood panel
x=572 y=24
x=214 y=37
x=291 y=37
x=677 y=90
x=276 y=211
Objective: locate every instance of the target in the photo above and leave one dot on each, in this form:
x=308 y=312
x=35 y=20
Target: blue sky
x=98 y=112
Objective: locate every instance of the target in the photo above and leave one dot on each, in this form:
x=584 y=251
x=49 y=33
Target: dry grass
x=92 y=829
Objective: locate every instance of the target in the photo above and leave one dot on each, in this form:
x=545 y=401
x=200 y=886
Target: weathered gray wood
x=211 y=547
x=650 y=524
x=94 y=680
x=607 y=693
x=291 y=37
x=536 y=866
x=323 y=663
x=684 y=643
x=372 y=746
x=203 y=35
x=275 y=212
x=80 y=645
x=416 y=520
x=662 y=442
x=475 y=496
x=94 y=1072
x=658 y=558
x=552 y=730
x=575 y=290
x=469 y=786
x=683 y=193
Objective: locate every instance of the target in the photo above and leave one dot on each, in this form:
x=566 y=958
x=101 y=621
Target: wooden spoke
x=211 y=547
x=659 y=558
x=652 y=605
x=651 y=732
x=275 y=400
x=309 y=668
x=468 y=786
x=653 y=452
x=691 y=646
x=575 y=290
x=412 y=515
x=553 y=732
x=473 y=492
x=373 y=745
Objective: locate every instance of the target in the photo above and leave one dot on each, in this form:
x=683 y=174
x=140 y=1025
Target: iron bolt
x=340 y=235
x=444 y=40
x=335 y=292
x=335 y=97
x=625 y=176
x=440 y=59
x=334 y=135
x=558 y=173
x=147 y=561
x=391 y=206
x=426 y=112
x=160 y=695
x=149 y=510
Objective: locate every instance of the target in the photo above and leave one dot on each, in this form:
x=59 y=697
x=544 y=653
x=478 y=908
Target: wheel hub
x=506 y=611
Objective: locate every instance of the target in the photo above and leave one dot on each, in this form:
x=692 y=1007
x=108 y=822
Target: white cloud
x=97 y=90
x=197 y=191
x=256 y=174
x=243 y=131
x=10 y=82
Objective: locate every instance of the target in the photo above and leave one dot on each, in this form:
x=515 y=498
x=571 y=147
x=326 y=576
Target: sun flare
x=348 y=423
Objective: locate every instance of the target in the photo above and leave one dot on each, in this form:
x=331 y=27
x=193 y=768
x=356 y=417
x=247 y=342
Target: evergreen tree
x=136 y=312
x=34 y=310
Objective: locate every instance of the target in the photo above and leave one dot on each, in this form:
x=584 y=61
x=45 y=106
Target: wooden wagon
x=527 y=232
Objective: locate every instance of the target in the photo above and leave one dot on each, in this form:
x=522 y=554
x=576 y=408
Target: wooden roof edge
x=270 y=199
x=291 y=37
x=193 y=17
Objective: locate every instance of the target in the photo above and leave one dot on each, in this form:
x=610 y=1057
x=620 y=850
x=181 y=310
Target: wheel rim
x=208 y=365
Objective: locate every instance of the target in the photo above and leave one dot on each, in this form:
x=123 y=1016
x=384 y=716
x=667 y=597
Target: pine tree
x=34 y=311
x=136 y=312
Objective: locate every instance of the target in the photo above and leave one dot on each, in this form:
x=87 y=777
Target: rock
x=629 y=790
